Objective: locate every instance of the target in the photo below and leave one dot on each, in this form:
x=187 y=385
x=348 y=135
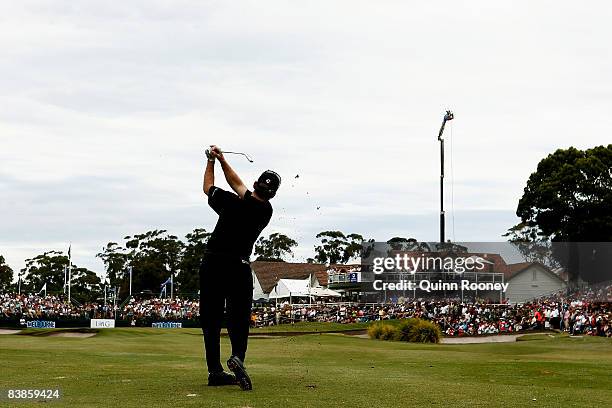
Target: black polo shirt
x=241 y=220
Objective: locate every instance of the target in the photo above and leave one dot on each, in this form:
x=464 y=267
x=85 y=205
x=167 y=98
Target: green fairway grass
x=311 y=327
x=143 y=367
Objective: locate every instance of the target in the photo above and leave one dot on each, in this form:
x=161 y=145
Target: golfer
x=226 y=283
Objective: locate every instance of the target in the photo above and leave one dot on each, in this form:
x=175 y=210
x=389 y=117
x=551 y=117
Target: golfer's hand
x=217 y=153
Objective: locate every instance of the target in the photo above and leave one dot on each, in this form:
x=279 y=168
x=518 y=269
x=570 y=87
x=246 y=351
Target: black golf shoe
x=221 y=378
x=237 y=367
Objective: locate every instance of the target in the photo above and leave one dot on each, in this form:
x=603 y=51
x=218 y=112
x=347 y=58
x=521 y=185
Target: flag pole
x=130 y=281
x=171 y=285
x=69 y=273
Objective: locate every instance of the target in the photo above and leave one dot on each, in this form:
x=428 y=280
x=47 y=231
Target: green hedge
x=410 y=330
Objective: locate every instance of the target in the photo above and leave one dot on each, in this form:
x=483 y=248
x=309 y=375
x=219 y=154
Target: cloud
x=107 y=109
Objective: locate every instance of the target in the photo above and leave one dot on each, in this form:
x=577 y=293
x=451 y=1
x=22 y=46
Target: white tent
x=287 y=288
x=258 y=293
x=324 y=292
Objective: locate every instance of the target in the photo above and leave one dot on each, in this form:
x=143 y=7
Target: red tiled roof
x=498 y=264
x=515 y=269
x=495 y=262
x=339 y=268
x=268 y=273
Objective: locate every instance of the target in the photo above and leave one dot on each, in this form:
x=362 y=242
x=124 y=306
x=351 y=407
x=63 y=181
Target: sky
x=107 y=107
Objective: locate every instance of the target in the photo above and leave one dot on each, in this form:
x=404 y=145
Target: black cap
x=268 y=183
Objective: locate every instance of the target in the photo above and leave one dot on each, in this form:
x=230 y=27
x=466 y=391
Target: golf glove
x=209 y=155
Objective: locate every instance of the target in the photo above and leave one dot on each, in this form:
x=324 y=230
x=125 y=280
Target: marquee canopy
x=287 y=288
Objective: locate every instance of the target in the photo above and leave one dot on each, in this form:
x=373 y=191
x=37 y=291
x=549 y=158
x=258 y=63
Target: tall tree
x=569 y=196
x=48 y=268
x=335 y=247
x=115 y=260
x=533 y=247
x=397 y=243
x=6 y=275
x=86 y=285
x=153 y=256
x=407 y=244
x=189 y=276
x=569 y=199
x=274 y=248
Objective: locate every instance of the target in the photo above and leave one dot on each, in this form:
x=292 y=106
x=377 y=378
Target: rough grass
x=161 y=367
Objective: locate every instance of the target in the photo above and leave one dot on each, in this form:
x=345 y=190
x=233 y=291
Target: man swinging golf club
x=226 y=283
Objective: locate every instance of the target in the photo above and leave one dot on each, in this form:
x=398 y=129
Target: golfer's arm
x=209 y=176
x=232 y=179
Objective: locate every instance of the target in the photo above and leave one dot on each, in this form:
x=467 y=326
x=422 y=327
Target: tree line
x=567 y=199
x=153 y=257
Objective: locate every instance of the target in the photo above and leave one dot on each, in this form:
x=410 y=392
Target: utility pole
x=448 y=116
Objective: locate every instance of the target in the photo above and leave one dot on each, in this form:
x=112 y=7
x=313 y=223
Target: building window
x=535 y=275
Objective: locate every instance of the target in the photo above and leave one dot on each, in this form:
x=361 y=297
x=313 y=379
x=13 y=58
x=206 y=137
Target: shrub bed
x=410 y=330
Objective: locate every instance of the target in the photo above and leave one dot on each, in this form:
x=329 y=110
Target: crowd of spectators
x=137 y=312
x=34 y=307
x=455 y=318
x=582 y=313
x=159 y=309
x=587 y=311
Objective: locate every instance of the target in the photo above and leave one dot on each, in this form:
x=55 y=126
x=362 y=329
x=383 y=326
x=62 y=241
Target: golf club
x=239 y=153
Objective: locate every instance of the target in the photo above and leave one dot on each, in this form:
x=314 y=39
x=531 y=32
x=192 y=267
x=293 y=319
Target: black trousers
x=226 y=295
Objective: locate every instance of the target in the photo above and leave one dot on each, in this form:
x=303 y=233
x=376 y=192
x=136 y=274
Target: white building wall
x=533 y=282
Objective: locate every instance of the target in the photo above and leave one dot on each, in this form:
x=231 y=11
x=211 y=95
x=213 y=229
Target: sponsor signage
x=102 y=323
x=354 y=277
x=40 y=324
x=167 y=325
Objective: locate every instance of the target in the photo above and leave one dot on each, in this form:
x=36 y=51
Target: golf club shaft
x=238 y=153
